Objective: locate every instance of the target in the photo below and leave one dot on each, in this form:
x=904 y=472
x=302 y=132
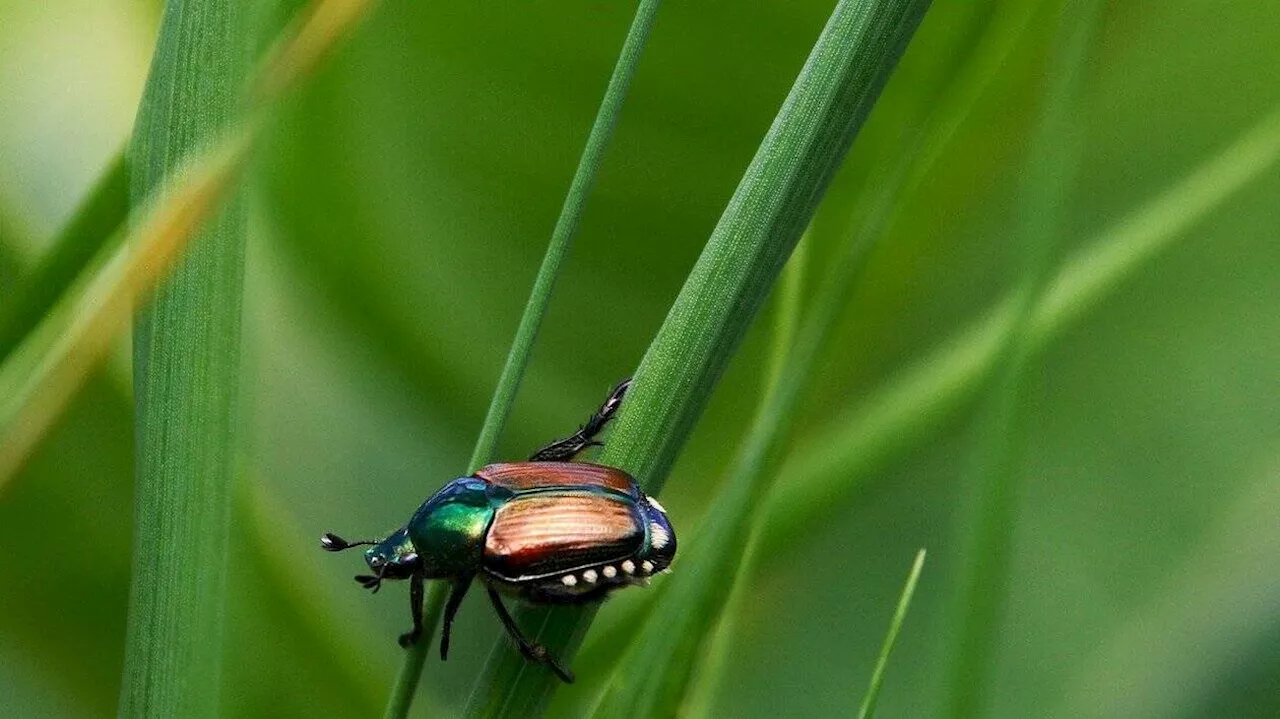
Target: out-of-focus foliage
x=401 y=209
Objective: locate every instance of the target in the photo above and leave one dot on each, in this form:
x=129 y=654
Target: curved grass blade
x=656 y=673
x=95 y=222
x=40 y=376
x=896 y=181
x=44 y=373
x=773 y=203
x=868 y=708
x=829 y=470
x=711 y=668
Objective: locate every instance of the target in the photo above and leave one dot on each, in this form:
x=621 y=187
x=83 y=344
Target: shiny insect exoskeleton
x=549 y=531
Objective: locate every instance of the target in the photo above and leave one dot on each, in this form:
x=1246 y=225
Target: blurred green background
x=400 y=209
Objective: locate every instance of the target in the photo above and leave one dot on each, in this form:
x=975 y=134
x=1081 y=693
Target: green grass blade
x=696 y=595
x=42 y=375
x=882 y=203
x=656 y=673
x=829 y=470
x=186 y=381
x=187 y=355
x=774 y=202
x=1053 y=167
x=786 y=317
x=39 y=378
x=772 y=205
x=94 y=223
x=868 y=708
x=566 y=226
x=786 y=325
x=504 y=395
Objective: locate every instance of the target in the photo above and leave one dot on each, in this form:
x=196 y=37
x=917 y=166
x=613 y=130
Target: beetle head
x=390 y=558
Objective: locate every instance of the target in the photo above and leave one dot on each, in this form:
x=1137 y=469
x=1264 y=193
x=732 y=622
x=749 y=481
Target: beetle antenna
x=331 y=542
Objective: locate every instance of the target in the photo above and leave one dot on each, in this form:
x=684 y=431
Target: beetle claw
x=369 y=582
x=539 y=653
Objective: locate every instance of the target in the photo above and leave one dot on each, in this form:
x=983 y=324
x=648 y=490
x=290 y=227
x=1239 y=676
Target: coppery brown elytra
x=548 y=531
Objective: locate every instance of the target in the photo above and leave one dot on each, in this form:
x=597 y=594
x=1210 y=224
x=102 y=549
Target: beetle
x=548 y=531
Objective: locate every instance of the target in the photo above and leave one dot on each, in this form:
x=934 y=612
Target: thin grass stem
x=513 y=370
x=774 y=202
x=869 y=700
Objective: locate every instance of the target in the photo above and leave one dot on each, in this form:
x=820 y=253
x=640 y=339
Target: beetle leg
x=532 y=652
x=566 y=449
x=415 y=608
x=460 y=588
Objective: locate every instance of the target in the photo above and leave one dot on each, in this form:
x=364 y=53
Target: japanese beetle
x=548 y=531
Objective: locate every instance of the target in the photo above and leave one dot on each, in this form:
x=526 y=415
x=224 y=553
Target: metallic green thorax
x=449 y=529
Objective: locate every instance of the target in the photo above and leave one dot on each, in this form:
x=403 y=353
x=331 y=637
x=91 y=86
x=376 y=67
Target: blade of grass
x=868 y=708
x=656 y=674
x=790 y=294
x=504 y=395
x=1052 y=169
x=897 y=180
x=911 y=164
x=886 y=198
x=773 y=203
x=41 y=375
x=39 y=378
x=186 y=380
x=566 y=226
x=186 y=359
x=829 y=470
x=38 y=290
x=694 y=599
x=45 y=371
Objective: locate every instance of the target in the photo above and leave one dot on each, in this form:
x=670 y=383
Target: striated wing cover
x=537 y=535
x=534 y=476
